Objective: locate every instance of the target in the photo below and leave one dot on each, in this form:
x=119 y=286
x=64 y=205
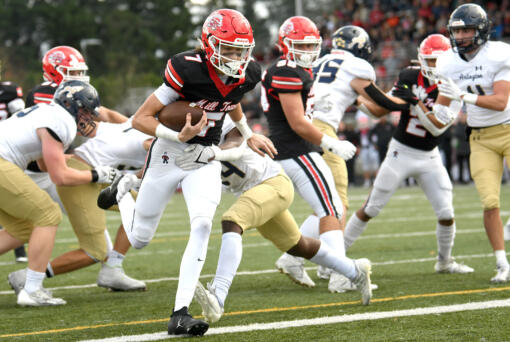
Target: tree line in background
x=125 y=42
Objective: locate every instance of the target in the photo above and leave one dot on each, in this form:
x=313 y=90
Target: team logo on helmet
x=71 y=90
x=57 y=57
x=340 y=42
x=288 y=28
x=360 y=39
x=214 y=22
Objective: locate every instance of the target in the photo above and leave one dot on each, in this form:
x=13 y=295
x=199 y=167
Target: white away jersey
x=19 y=142
x=333 y=92
x=251 y=169
x=491 y=64
x=115 y=145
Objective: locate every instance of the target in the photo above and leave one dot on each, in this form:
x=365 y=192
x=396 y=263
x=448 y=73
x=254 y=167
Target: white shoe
x=323 y=272
x=211 y=308
x=451 y=266
x=506 y=231
x=339 y=283
x=501 y=275
x=114 y=278
x=362 y=280
x=17 y=280
x=294 y=268
x=38 y=298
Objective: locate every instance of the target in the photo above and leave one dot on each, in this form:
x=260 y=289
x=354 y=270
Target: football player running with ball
x=287 y=101
x=214 y=77
x=413 y=152
x=477 y=72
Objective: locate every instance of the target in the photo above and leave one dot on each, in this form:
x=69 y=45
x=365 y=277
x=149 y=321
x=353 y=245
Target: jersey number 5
x=326 y=72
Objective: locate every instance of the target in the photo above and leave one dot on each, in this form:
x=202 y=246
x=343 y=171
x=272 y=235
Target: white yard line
x=322 y=320
x=257 y=272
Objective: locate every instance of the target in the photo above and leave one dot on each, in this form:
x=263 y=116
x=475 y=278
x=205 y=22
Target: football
x=173 y=115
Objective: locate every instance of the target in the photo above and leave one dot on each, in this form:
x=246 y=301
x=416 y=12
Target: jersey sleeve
x=359 y=68
x=172 y=77
x=503 y=73
x=286 y=80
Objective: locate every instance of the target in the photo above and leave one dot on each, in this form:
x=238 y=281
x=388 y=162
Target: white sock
x=327 y=257
x=115 y=259
x=445 y=236
x=34 y=280
x=127 y=212
x=192 y=261
x=335 y=240
x=508 y=222
x=501 y=259
x=231 y=253
x=109 y=244
x=353 y=230
x=310 y=227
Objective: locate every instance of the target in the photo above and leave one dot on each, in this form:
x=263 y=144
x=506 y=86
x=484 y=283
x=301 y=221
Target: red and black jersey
x=409 y=131
x=286 y=77
x=8 y=92
x=196 y=80
x=42 y=93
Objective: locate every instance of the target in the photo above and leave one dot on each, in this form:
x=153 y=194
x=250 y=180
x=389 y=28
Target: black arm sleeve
x=382 y=100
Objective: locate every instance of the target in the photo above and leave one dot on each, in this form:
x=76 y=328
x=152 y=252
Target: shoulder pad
x=359 y=68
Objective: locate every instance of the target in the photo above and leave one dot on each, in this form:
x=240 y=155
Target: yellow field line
x=248 y=312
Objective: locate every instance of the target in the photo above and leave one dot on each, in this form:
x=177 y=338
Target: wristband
x=470 y=98
x=244 y=129
x=166 y=133
x=95 y=176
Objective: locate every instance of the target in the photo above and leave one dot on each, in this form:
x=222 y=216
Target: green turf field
x=400 y=242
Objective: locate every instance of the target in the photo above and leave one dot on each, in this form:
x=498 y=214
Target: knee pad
x=376 y=202
x=202 y=225
x=141 y=236
x=445 y=214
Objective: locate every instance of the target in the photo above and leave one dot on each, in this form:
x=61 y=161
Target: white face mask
x=235 y=68
x=303 y=58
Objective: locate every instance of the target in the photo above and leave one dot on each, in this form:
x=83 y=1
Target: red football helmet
x=64 y=63
x=430 y=48
x=225 y=32
x=297 y=31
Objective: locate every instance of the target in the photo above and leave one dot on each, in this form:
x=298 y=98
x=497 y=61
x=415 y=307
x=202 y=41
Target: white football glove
x=342 y=148
x=194 y=157
x=106 y=174
x=449 y=89
x=127 y=182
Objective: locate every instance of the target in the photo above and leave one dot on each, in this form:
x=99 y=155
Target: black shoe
x=20 y=254
x=182 y=323
x=108 y=196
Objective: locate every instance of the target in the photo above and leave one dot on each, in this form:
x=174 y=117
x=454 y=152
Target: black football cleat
x=20 y=254
x=108 y=196
x=181 y=323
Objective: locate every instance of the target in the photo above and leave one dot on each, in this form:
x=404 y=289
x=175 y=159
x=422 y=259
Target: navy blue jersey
x=197 y=81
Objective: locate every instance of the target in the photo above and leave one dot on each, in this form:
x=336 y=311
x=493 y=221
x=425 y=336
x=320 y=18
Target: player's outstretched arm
x=370 y=91
x=295 y=113
x=257 y=142
x=110 y=115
